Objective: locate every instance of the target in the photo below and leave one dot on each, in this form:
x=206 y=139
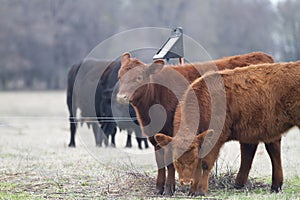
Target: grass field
x=35 y=162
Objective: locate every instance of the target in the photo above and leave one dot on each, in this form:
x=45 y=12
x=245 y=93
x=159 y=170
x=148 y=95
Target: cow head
x=186 y=154
x=134 y=75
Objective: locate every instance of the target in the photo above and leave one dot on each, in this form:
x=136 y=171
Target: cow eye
x=139 y=78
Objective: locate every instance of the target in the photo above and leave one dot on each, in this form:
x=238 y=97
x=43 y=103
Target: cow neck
x=160 y=93
x=143 y=104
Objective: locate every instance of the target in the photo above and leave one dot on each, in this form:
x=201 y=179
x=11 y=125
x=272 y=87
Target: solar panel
x=173 y=48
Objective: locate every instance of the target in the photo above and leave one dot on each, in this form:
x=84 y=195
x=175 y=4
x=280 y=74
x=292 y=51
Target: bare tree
x=289 y=29
x=243 y=26
x=40 y=40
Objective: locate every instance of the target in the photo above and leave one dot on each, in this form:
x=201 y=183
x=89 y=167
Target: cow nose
x=186 y=181
x=122 y=98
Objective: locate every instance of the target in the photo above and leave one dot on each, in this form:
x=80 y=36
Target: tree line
x=40 y=40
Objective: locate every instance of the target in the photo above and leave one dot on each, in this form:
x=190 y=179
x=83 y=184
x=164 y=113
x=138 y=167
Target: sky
x=275 y=1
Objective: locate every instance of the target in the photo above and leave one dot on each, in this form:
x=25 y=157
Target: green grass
x=8 y=192
x=7 y=155
x=7 y=186
x=19 y=196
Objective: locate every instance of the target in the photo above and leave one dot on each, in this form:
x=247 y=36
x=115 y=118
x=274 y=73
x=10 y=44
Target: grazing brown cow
x=147 y=85
x=262 y=102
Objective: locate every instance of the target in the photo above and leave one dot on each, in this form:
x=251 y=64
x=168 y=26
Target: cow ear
x=162 y=139
x=125 y=57
x=156 y=66
x=201 y=136
x=159 y=62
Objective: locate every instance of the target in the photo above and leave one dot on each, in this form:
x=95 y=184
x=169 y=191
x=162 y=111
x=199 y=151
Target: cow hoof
x=159 y=191
x=191 y=194
x=275 y=189
x=169 y=189
x=72 y=145
x=236 y=186
x=199 y=193
x=128 y=146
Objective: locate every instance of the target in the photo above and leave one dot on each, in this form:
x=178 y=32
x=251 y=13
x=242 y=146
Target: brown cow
x=262 y=102
x=146 y=85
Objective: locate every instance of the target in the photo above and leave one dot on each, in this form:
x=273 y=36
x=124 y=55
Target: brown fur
x=262 y=102
x=170 y=84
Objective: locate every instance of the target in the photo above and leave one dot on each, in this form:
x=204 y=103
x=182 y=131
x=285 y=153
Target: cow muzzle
x=123 y=98
x=186 y=182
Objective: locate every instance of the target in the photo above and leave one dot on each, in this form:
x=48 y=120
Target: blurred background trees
x=289 y=30
x=40 y=40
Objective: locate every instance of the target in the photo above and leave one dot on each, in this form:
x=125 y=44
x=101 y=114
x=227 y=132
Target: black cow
x=84 y=87
x=112 y=113
x=82 y=83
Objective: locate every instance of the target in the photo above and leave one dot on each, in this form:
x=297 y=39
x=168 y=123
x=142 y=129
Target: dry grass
x=227 y=180
x=35 y=162
x=124 y=182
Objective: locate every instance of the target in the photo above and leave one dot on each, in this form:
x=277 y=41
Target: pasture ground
x=35 y=162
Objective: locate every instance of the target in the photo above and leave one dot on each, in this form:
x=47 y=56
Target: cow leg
x=161 y=174
x=113 y=134
x=104 y=127
x=102 y=136
x=110 y=129
x=128 y=142
x=170 y=183
x=141 y=138
x=139 y=141
x=138 y=134
x=73 y=124
x=247 y=155
x=274 y=152
x=97 y=134
x=146 y=142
